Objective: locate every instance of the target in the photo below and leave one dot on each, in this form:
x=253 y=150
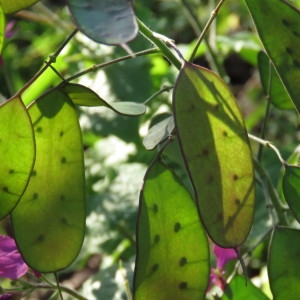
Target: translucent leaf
x=2 y=28
x=291 y=189
x=17 y=152
x=12 y=6
x=172 y=249
x=81 y=95
x=278 y=20
x=284 y=263
x=237 y=289
x=215 y=147
x=105 y=21
x=159 y=132
x=49 y=220
x=268 y=75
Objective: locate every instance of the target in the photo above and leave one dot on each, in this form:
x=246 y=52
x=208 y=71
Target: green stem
x=52 y=59
x=162 y=90
x=100 y=66
x=198 y=28
x=276 y=202
x=201 y=37
x=160 y=42
x=264 y=125
x=270 y=145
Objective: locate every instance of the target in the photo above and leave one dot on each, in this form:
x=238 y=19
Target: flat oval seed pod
x=284 y=262
x=81 y=95
x=215 y=147
x=283 y=19
x=17 y=152
x=172 y=248
x=49 y=221
x=290 y=188
x=105 y=21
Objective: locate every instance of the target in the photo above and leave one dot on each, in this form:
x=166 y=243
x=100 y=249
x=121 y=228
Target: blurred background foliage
x=115 y=156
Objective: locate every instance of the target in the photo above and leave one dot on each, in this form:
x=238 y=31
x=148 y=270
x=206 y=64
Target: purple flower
x=12 y=265
x=9 y=32
x=217 y=275
x=5 y=296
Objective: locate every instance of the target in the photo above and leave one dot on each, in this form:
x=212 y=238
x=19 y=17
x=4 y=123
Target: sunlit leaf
x=216 y=150
x=272 y=83
x=81 y=95
x=49 y=220
x=172 y=249
x=291 y=189
x=2 y=28
x=237 y=289
x=278 y=20
x=17 y=152
x=105 y=21
x=284 y=263
x=159 y=132
x=11 y=6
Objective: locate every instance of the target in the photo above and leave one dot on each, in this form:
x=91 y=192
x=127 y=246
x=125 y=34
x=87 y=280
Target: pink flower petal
x=12 y=265
x=223 y=255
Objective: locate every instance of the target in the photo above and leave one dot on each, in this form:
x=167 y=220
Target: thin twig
x=52 y=59
x=120 y=59
x=201 y=37
x=270 y=145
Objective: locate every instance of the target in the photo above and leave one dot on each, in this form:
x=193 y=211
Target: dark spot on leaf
x=210 y=179
x=225 y=133
x=285 y=22
x=156 y=238
x=216 y=106
x=182 y=261
x=35 y=196
x=155 y=267
x=177 y=227
x=296 y=63
x=235 y=177
x=5 y=189
x=64 y=221
x=205 y=152
x=11 y=171
x=237 y=202
x=155 y=208
x=183 y=285
x=39 y=129
x=297 y=34
x=288 y=50
x=63 y=160
x=62 y=197
x=61 y=133
x=190 y=108
x=40 y=238
x=219 y=216
x=33 y=173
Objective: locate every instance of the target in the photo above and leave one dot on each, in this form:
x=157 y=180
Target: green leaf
x=172 y=248
x=49 y=221
x=272 y=84
x=81 y=95
x=105 y=21
x=237 y=289
x=159 y=132
x=12 y=6
x=291 y=189
x=17 y=152
x=2 y=28
x=278 y=20
x=284 y=263
x=215 y=147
